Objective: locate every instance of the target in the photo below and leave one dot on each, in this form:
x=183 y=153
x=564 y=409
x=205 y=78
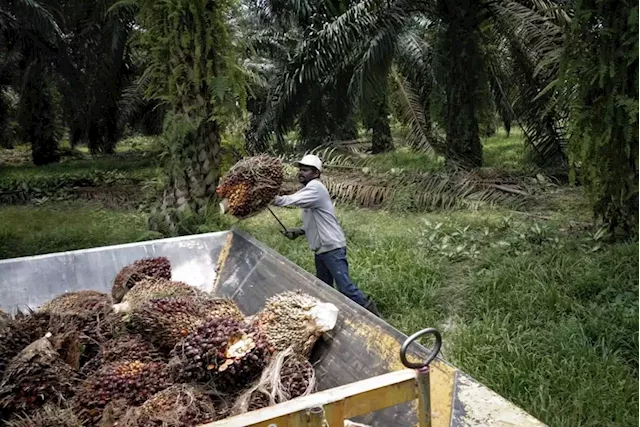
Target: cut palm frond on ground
x=427 y=192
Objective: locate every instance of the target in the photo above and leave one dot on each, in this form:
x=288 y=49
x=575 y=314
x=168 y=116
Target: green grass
x=134 y=167
x=29 y=230
x=403 y=158
x=505 y=152
x=138 y=163
x=500 y=151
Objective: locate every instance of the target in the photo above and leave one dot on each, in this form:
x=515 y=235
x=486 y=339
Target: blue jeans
x=332 y=266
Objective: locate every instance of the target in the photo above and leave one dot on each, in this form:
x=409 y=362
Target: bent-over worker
x=321 y=227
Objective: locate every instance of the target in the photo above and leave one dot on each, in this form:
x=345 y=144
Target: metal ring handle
x=432 y=355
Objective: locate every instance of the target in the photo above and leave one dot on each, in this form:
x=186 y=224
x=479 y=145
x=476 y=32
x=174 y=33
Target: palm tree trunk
x=6 y=139
x=193 y=172
x=463 y=66
x=381 y=140
x=345 y=119
x=39 y=119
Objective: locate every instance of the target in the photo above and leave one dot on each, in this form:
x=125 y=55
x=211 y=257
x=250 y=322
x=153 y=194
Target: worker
x=322 y=230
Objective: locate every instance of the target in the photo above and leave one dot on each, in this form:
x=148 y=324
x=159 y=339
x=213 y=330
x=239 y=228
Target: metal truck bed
x=235 y=265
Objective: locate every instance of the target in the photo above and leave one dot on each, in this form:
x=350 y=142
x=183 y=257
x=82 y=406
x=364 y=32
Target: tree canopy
x=448 y=71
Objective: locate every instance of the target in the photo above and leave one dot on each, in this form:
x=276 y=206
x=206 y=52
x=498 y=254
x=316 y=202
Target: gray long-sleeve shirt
x=321 y=226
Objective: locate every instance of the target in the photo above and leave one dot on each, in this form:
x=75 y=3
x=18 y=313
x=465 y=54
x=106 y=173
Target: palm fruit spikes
x=133 y=381
x=155 y=288
x=286 y=322
x=286 y=377
x=230 y=352
x=18 y=333
x=221 y=307
x=80 y=302
x=47 y=416
x=250 y=185
x=35 y=377
x=127 y=347
x=127 y=278
x=165 y=321
x=180 y=405
x=96 y=327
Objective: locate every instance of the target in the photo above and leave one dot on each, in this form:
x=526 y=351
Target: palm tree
x=31 y=43
x=96 y=70
x=599 y=83
x=194 y=71
x=446 y=38
x=276 y=31
x=78 y=52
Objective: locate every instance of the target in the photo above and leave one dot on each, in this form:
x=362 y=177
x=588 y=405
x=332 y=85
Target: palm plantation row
x=195 y=71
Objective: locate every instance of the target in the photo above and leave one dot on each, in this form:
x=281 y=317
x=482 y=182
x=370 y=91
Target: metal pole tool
x=277 y=219
x=422 y=372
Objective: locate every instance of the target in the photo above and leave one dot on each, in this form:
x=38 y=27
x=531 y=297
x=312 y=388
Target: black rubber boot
x=371 y=306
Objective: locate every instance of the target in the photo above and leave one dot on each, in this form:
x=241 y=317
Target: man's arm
x=307 y=197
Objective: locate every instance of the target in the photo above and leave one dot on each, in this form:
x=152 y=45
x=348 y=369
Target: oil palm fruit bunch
x=154 y=288
x=297 y=378
x=4 y=318
x=230 y=352
x=80 y=302
x=220 y=307
x=165 y=321
x=286 y=377
x=250 y=185
x=97 y=327
x=158 y=267
x=47 y=416
x=35 y=377
x=180 y=405
x=286 y=322
x=133 y=381
x=126 y=347
x=113 y=413
x=17 y=333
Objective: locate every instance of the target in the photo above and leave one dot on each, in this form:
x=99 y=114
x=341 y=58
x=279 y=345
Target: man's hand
x=293 y=233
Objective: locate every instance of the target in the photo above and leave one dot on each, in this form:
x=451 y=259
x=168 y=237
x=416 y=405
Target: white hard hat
x=310 y=160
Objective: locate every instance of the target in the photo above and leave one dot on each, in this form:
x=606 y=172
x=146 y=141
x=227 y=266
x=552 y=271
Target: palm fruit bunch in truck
x=154 y=352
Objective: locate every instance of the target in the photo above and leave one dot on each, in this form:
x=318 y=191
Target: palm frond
x=530 y=27
x=362 y=38
x=32 y=16
x=272 y=44
x=414 y=81
x=531 y=38
x=374 y=64
x=408 y=100
x=30 y=27
x=426 y=192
